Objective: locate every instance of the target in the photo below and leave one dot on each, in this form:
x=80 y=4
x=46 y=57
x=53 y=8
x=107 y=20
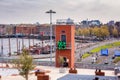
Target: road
x=83 y=50
x=103 y=62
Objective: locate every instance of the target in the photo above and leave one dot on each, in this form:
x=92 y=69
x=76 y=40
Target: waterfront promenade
x=44 y=59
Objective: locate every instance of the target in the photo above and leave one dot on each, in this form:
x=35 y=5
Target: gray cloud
x=17 y=11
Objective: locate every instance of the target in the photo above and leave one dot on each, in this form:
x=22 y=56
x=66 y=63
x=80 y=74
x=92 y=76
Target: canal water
x=13 y=42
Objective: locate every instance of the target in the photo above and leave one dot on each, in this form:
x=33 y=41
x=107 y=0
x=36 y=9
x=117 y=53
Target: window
x=63 y=38
x=63 y=31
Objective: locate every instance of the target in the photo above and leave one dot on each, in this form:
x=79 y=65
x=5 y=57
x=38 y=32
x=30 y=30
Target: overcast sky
x=32 y=11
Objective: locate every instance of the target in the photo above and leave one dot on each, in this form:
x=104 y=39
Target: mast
x=17 y=45
x=33 y=36
x=29 y=37
x=1 y=46
x=22 y=38
x=9 y=46
x=9 y=43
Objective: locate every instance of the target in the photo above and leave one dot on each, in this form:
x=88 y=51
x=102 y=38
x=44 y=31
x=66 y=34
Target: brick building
x=7 y=29
x=44 y=29
x=26 y=29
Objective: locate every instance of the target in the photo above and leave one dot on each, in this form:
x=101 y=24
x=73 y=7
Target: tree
x=76 y=32
x=104 y=31
x=101 y=32
x=96 y=31
x=86 y=31
x=25 y=63
x=80 y=31
x=91 y=31
x=61 y=61
x=110 y=28
x=115 y=32
x=83 y=31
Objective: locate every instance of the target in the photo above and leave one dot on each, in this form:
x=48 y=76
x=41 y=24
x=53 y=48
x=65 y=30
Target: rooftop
x=86 y=77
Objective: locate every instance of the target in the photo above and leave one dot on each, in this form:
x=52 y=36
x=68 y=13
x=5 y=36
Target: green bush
x=85 y=55
x=116 y=60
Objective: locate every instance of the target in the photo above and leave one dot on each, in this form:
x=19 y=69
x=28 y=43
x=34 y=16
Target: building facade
x=26 y=29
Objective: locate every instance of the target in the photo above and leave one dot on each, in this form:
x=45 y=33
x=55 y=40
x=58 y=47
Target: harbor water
x=13 y=44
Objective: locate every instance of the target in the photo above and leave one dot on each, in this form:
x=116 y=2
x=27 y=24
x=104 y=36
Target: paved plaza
x=54 y=73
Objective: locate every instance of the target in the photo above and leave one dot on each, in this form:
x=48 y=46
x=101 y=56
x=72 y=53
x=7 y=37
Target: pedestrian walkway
x=54 y=73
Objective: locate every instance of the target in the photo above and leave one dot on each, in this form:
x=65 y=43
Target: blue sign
x=104 y=52
x=116 y=53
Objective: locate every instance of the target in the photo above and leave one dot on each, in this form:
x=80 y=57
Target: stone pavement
x=55 y=74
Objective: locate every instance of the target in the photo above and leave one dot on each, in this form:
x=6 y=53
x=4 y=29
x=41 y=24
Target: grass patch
x=95 y=50
x=115 y=44
x=85 y=55
x=117 y=59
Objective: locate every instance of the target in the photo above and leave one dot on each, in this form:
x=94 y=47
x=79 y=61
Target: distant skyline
x=32 y=11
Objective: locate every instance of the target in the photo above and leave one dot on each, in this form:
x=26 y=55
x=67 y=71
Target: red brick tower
x=65 y=44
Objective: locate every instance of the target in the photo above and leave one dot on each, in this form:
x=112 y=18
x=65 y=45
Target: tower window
x=63 y=38
x=63 y=31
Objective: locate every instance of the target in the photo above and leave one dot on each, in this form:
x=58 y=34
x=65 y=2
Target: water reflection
x=14 y=44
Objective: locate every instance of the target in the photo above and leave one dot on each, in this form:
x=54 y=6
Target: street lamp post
x=1 y=55
x=22 y=38
x=1 y=47
x=9 y=45
x=17 y=44
x=51 y=12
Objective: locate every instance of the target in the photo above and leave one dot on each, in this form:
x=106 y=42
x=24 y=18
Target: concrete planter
x=62 y=70
x=37 y=73
x=74 y=71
